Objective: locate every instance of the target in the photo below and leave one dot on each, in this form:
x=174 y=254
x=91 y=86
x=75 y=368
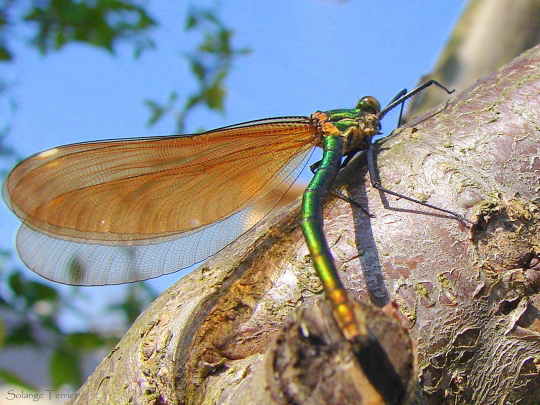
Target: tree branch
x=470 y=296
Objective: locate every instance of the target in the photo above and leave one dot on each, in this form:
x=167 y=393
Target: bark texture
x=469 y=295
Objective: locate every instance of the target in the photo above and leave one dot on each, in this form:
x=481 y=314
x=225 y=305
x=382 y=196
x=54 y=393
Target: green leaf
x=214 y=96
x=2 y=333
x=156 y=111
x=41 y=292
x=65 y=369
x=10 y=378
x=210 y=63
x=191 y=22
x=101 y=23
x=84 y=340
x=198 y=69
x=15 y=282
x=31 y=291
x=20 y=335
x=5 y=54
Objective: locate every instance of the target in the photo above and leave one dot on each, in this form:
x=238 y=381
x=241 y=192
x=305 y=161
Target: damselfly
x=118 y=211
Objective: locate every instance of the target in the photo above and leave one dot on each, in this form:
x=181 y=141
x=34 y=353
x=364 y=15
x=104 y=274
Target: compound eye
x=369 y=104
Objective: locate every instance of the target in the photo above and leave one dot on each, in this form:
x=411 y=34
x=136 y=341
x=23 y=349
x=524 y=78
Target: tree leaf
x=5 y=54
x=84 y=340
x=101 y=23
x=10 y=378
x=64 y=368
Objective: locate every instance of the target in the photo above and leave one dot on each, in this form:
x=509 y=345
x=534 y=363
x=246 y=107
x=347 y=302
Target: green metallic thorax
x=355 y=125
x=345 y=118
x=340 y=113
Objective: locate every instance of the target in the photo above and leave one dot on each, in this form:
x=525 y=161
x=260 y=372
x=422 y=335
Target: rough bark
x=469 y=294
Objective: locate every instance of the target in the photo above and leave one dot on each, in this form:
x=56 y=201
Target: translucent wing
x=118 y=211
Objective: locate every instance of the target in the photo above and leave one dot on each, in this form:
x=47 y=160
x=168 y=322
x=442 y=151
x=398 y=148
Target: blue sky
x=306 y=55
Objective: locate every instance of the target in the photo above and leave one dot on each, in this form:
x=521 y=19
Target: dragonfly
x=125 y=210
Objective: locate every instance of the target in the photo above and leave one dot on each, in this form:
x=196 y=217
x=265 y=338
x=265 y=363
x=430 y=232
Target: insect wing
x=118 y=211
